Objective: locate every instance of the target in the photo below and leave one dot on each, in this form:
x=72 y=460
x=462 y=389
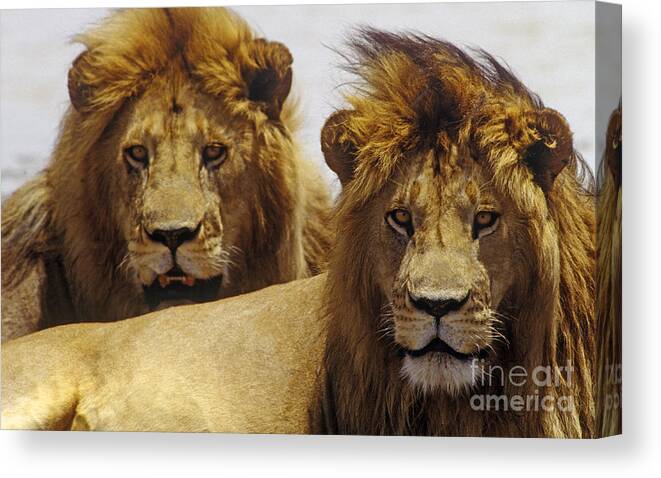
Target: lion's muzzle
x=172 y=238
x=437 y=306
x=440 y=346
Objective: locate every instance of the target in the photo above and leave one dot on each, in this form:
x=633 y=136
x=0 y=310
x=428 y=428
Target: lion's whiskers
x=386 y=327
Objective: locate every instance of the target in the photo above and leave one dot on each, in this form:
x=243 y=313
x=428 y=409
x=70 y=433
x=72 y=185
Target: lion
x=464 y=243
x=608 y=392
x=176 y=177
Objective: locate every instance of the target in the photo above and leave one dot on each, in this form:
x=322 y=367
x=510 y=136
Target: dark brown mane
x=425 y=51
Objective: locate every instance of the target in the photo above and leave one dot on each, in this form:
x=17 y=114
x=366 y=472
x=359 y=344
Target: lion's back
x=218 y=366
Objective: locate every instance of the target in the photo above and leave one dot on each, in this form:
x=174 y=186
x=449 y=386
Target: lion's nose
x=173 y=238
x=437 y=307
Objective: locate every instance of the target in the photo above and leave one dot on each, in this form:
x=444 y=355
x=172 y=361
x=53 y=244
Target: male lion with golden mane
x=465 y=243
x=175 y=178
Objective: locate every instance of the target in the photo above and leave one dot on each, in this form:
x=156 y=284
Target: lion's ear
x=80 y=92
x=338 y=148
x=268 y=75
x=93 y=87
x=546 y=145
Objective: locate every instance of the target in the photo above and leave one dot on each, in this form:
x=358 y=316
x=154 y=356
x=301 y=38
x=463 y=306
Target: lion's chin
x=178 y=289
x=440 y=371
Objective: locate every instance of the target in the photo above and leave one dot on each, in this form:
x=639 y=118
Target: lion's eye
x=214 y=154
x=401 y=221
x=485 y=222
x=137 y=156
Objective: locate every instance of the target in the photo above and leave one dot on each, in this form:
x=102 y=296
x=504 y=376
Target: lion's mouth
x=175 y=287
x=439 y=346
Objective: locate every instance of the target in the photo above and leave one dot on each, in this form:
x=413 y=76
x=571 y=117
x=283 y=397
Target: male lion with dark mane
x=175 y=179
x=465 y=243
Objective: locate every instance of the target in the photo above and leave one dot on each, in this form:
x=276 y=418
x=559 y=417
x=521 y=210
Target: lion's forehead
x=175 y=115
x=435 y=186
x=170 y=114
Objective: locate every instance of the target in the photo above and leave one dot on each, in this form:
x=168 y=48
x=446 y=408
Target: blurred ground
x=549 y=45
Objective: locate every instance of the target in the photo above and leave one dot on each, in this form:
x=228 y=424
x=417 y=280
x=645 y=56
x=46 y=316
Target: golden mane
x=608 y=389
x=417 y=92
x=129 y=48
x=66 y=207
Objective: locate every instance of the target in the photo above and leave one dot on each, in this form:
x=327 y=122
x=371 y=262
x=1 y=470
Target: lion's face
x=444 y=264
x=180 y=158
x=187 y=156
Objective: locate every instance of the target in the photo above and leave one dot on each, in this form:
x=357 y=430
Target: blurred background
x=549 y=45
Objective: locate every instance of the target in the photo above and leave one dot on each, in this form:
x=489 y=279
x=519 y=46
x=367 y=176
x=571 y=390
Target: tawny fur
x=608 y=386
x=412 y=88
x=316 y=345
x=61 y=234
